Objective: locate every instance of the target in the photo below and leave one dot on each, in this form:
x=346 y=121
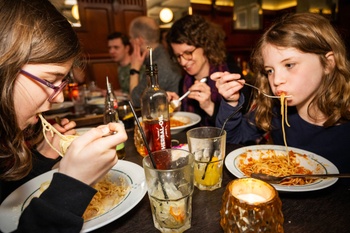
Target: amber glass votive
x=251 y=205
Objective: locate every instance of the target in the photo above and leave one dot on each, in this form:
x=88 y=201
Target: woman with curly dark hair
x=198 y=47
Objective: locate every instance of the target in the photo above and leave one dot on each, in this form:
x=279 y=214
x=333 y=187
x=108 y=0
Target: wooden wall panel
x=125 y=11
x=94 y=40
x=98 y=19
x=101 y=68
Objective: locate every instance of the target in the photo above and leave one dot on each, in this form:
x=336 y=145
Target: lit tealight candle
x=251 y=198
x=251 y=205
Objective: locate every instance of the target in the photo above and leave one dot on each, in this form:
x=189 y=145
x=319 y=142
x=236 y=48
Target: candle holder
x=251 y=205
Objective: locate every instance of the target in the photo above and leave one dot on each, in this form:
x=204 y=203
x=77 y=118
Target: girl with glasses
x=38 y=49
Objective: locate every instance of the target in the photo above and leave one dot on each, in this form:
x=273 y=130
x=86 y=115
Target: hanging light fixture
x=166 y=15
x=75 y=12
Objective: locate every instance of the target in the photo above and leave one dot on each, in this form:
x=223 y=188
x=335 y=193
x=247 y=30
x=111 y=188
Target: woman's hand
x=172 y=96
x=65 y=127
x=93 y=154
x=201 y=92
x=228 y=86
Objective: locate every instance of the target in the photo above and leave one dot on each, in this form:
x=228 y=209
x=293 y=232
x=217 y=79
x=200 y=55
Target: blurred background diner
x=243 y=22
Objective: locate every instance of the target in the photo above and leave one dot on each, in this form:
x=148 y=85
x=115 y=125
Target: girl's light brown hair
x=309 y=33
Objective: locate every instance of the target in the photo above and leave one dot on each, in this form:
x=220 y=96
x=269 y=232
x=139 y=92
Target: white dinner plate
x=313 y=162
x=132 y=173
x=188 y=117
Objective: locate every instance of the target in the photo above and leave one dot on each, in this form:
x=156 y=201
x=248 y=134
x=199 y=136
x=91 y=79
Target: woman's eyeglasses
x=57 y=89
x=187 y=55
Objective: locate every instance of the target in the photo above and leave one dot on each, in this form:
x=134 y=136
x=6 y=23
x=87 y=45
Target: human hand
x=138 y=56
x=93 y=154
x=201 y=92
x=65 y=127
x=172 y=96
x=228 y=86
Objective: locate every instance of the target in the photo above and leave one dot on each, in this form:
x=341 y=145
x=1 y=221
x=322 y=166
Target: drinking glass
x=170 y=188
x=208 y=147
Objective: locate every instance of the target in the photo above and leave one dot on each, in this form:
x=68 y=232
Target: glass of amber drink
x=208 y=147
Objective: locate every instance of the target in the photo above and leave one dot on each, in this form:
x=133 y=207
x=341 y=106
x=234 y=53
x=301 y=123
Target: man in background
x=120 y=49
x=144 y=31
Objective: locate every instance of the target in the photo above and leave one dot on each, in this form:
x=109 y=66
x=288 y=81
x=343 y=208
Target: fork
x=279 y=179
x=270 y=96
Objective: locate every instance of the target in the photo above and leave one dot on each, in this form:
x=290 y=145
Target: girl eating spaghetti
x=304 y=59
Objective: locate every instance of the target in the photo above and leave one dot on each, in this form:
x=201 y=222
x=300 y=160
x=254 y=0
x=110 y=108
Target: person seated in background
x=37 y=51
x=302 y=57
x=198 y=47
x=144 y=32
x=120 y=50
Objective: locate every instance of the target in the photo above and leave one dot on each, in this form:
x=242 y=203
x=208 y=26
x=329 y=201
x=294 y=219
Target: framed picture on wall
x=255 y=17
x=241 y=19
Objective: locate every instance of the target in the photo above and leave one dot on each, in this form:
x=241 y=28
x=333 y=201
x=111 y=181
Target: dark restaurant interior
x=238 y=126
x=243 y=22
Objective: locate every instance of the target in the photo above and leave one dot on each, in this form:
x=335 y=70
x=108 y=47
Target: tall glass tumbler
x=208 y=147
x=170 y=188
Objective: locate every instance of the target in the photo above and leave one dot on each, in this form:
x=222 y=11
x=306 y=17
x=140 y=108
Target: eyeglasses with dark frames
x=187 y=55
x=57 y=89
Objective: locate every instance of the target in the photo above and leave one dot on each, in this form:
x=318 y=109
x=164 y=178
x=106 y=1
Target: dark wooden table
x=322 y=211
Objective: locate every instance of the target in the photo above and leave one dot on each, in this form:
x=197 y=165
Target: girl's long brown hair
x=309 y=33
x=31 y=32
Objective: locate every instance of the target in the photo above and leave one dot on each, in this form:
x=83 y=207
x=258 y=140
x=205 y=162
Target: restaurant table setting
x=323 y=209
x=239 y=203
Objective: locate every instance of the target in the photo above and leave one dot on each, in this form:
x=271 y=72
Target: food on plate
x=108 y=195
x=178 y=121
x=65 y=140
x=270 y=163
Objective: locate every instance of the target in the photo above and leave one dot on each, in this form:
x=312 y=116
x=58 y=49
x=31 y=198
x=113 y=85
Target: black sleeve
x=59 y=208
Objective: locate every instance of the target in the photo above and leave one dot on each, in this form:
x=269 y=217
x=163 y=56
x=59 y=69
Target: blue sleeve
x=239 y=129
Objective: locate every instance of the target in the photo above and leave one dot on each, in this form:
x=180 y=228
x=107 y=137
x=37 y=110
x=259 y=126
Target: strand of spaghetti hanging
x=155 y=110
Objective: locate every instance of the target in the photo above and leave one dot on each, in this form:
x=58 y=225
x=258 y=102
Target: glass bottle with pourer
x=111 y=114
x=155 y=111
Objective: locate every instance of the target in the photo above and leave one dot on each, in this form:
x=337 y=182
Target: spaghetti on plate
x=268 y=162
x=108 y=195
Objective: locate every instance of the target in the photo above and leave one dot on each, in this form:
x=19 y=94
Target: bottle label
x=120 y=146
x=162 y=132
x=158 y=134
